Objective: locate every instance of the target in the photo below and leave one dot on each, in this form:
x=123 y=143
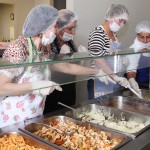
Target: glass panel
x=121 y=62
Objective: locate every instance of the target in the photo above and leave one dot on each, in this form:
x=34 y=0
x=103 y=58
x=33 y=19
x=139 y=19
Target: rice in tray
x=110 y=121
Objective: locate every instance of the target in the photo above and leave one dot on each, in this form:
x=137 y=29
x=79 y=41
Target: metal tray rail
x=29 y=129
x=128 y=103
x=30 y=140
x=118 y=114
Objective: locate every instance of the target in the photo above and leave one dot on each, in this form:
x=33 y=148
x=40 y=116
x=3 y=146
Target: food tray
x=128 y=103
x=33 y=127
x=109 y=113
x=30 y=141
x=144 y=93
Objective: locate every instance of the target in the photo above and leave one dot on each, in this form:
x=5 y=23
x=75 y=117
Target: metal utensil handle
x=66 y=106
x=135 y=92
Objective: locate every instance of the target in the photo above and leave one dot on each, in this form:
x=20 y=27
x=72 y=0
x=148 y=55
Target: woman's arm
x=133 y=65
x=15 y=54
x=131 y=74
x=73 y=69
x=9 y=88
x=98 y=43
x=102 y=63
x=45 y=87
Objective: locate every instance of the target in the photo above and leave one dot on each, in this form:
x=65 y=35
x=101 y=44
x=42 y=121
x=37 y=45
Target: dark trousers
x=142 y=77
x=90 y=87
x=67 y=96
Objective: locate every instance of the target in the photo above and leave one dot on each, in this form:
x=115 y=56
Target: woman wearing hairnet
x=63 y=43
x=22 y=101
x=140 y=77
x=67 y=22
x=102 y=41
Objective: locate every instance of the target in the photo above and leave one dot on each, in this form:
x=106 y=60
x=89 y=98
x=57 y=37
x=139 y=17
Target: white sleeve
x=133 y=62
x=132 y=46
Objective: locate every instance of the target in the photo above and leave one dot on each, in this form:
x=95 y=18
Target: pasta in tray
x=15 y=142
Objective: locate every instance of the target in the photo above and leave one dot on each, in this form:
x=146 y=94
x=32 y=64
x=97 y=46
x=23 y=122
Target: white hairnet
x=143 y=26
x=117 y=12
x=39 y=19
x=66 y=17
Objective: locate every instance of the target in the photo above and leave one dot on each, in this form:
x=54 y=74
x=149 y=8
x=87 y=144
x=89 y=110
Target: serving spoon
x=76 y=112
x=66 y=106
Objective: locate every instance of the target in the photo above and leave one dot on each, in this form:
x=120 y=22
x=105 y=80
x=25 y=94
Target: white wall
x=37 y=2
x=5 y=11
x=91 y=14
x=21 y=9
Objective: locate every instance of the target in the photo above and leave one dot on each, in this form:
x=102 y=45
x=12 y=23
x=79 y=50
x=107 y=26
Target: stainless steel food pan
x=30 y=141
x=31 y=128
x=118 y=115
x=144 y=93
x=127 y=103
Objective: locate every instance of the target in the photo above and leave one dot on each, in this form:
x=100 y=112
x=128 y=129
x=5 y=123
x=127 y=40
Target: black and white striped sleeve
x=97 y=43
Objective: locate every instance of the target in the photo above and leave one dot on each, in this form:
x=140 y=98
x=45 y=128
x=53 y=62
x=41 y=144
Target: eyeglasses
x=121 y=21
x=70 y=29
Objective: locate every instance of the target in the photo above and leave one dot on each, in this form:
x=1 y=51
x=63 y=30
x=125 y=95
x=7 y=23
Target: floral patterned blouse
x=15 y=109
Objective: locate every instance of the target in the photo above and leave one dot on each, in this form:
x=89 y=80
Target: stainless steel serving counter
x=141 y=142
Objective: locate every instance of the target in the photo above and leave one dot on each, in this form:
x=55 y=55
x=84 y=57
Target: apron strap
x=31 y=48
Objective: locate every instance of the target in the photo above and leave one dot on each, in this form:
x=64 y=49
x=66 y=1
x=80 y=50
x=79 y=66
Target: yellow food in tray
x=15 y=142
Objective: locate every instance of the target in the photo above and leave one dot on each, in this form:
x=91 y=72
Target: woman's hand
x=122 y=81
x=134 y=85
x=102 y=76
x=45 y=87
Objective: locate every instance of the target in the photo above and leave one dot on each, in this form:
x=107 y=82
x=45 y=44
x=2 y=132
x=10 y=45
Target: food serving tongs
x=136 y=93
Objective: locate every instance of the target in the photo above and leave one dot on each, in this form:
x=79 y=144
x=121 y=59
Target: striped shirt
x=98 y=44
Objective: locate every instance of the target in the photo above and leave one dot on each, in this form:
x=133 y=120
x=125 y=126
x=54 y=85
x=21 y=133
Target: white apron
x=14 y=109
x=115 y=63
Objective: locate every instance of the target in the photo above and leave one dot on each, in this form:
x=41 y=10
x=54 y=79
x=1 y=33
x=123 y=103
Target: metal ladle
x=76 y=113
x=74 y=110
x=66 y=106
